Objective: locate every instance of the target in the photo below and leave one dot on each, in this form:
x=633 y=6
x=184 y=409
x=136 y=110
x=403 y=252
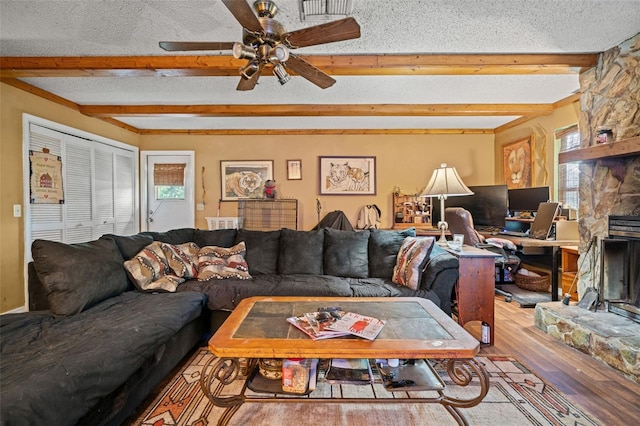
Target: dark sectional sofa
x=92 y=347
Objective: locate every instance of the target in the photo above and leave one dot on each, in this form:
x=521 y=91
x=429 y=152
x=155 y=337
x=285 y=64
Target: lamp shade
x=445 y=181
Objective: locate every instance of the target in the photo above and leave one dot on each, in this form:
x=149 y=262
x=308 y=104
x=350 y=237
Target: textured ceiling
x=134 y=27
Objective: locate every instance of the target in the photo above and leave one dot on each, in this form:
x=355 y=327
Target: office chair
x=461 y=222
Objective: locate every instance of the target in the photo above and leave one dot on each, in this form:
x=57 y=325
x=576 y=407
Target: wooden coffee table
x=415 y=329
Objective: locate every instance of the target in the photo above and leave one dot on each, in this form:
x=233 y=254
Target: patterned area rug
x=516 y=397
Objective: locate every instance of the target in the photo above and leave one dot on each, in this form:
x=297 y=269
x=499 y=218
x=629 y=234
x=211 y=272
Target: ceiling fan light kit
x=265 y=42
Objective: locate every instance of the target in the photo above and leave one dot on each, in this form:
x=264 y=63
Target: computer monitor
x=488 y=205
x=528 y=199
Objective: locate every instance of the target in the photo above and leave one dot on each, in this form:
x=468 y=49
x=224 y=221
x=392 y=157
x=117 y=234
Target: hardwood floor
x=599 y=389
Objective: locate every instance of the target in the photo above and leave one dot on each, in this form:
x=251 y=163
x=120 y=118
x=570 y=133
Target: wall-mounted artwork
x=517 y=163
x=244 y=179
x=348 y=175
x=45 y=182
x=294 y=169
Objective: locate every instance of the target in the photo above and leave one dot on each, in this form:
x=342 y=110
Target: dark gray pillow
x=78 y=276
x=346 y=253
x=174 y=236
x=219 y=237
x=384 y=246
x=301 y=252
x=262 y=250
x=129 y=245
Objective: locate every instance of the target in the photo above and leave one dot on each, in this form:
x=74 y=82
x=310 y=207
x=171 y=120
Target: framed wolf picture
x=244 y=179
x=347 y=175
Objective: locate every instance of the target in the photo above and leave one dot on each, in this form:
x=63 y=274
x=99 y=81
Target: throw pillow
x=149 y=270
x=221 y=263
x=182 y=259
x=412 y=257
x=301 y=252
x=78 y=276
x=346 y=253
x=384 y=246
x=262 y=250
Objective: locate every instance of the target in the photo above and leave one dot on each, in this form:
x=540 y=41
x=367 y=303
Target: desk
x=531 y=246
x=475 y=287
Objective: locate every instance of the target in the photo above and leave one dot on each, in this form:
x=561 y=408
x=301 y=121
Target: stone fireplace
x=609 y=186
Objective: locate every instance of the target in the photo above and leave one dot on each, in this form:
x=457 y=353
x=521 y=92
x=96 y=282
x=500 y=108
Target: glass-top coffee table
x=415 y=329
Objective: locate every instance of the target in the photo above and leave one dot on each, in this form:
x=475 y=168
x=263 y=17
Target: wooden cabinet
x=569 y=270
x=411 y=211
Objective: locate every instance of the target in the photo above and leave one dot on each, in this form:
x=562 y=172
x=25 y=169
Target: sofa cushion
x=150 y=271
x=218 y=237
x=412 y=257
x=346 y=253
x=173 y=236
x=384 y=246
x=262 y=250
x=301 y=252
x=129 y=245
x=221 y=263
x=78 y=276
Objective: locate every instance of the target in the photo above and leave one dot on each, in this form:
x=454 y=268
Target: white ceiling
x=133 y=28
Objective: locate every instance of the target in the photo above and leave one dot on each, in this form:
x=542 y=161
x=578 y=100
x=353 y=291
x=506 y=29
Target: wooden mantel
x=623 y=148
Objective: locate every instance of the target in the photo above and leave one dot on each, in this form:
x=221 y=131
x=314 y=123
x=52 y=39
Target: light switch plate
x=17 y=210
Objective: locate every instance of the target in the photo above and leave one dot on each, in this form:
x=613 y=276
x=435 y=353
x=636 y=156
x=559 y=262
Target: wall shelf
x=622 y=148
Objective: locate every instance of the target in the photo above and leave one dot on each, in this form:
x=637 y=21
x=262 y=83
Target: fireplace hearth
x=619 y=267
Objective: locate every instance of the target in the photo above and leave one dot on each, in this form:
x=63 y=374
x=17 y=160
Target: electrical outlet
x=200 y=207
x=17 y=210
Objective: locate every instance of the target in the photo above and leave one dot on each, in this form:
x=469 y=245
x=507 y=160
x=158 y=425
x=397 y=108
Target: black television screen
x=488 y=205
x=528 y=199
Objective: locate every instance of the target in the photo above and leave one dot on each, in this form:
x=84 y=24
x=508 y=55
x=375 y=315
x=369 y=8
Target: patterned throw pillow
x=221 y=263
x=150 y=271
x=182 y=259
x=412 y=258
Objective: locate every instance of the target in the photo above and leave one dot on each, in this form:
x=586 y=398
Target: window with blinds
x=568 y=173
x=168 y=179
x=99 y=182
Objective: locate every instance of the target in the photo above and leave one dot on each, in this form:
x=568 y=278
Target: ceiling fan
x=265 y=42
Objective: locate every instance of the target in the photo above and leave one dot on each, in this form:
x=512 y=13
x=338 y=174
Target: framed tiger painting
x=244 y=179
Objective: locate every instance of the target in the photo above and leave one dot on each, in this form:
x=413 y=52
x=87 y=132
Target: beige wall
x=403 y=160
x=542 y=129
x=13 y=103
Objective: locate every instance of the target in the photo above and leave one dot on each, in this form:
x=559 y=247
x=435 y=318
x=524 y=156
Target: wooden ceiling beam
x=316 y=110
x=224 y=65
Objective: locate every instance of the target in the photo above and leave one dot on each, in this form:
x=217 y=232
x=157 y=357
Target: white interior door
x=168 y=204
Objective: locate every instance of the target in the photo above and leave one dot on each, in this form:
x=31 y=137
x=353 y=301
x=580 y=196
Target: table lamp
x=444 y=183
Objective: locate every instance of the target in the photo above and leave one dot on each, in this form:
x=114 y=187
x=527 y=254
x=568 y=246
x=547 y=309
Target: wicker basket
x=533 y=283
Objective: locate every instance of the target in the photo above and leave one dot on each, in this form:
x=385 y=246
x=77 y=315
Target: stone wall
x=611 y=98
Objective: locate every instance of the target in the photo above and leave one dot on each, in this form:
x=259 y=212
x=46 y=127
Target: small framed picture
x=294 y=169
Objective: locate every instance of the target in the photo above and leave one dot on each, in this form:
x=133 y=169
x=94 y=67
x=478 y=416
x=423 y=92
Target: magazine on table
x=349 y=371
x=358 y=325
x=314 y=331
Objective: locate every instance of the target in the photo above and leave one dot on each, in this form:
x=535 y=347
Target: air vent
x=324 y=10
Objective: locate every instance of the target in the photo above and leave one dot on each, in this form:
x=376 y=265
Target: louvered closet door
x=78 y=197
x=99 y=182
x=125 y=193
x=47 y=221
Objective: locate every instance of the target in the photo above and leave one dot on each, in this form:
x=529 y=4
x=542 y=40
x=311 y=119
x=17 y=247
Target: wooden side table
x=475 y=287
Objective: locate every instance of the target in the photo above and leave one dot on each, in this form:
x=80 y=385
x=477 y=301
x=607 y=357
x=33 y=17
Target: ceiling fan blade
x=343 y=29
x=249 y=83
x=243 y=14
x=308 y=71
x=172 y=46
